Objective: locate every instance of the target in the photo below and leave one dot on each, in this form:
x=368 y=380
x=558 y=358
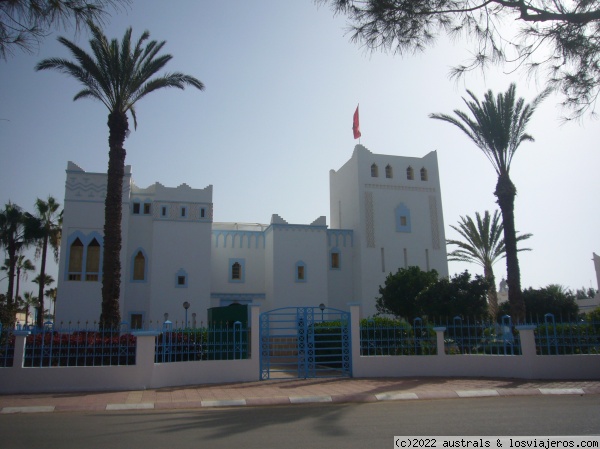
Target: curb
x=291 y=400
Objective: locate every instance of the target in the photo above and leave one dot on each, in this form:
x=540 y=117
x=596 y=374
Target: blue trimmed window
x=424 y=174
x=84 y=257
x=164 y=211
x=402 y=218
x=92 y=261
x=147 y=207
x=335 y=259
x=410 y=173
x=139 y=266
x=183 y=212
x=237 y=270
x=75 y=260
x=300 y=270
x=136 y=207
x=181 y=279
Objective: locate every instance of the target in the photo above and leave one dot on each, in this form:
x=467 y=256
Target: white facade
x=382 y=218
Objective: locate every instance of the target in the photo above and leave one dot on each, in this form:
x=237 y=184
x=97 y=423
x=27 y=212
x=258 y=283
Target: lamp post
x=322 y=307
x=167 y=324
x=186 y=306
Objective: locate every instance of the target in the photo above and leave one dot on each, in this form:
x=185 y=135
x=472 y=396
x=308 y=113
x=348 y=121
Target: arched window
x=139 y=267
x=374 y=171
x=423 y=174
x=92 y=261
x=410 y=173
x=75 y=260
x=237 y=268
x=388 y=171
x=236 y=271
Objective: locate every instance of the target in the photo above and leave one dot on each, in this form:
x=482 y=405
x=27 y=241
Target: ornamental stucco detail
x=369 y=220
x=83 y=187
x=435 y=230
x=400 y=188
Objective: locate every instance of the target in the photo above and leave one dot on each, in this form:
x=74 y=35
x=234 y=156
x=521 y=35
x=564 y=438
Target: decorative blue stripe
x=238 y=295
x=242 y=238
x=345 y=235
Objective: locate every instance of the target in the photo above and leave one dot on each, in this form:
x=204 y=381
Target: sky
x=282 y=82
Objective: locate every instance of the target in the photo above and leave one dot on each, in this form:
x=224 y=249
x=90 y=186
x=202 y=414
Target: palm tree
x=482 y=244
x=118 y=75
x=48 y=281
x=17 y=231
x=51 y=231
x=22 y=267
x=497 y=127
x=28 y=302
x=52 y=294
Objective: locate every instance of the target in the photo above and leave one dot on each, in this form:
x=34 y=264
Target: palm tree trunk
x=488 y=272
x=506 y=193
x=18 y=284
x=12 y=261
x=111 y=266
x=40 y=315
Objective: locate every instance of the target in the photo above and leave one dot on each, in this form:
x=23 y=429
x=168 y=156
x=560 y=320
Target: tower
x=393 y=204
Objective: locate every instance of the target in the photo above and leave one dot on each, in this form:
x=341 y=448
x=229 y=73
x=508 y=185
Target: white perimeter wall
x=146 y=374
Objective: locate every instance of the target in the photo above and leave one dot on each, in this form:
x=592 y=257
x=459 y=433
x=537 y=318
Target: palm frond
x=496 y=125
x=118 y=73
x=482 y=240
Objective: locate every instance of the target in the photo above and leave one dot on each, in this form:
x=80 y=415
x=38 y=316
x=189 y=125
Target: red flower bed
x=79 y=348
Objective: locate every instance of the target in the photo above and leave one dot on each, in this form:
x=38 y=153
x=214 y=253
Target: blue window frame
x=139 y=266
x=237 y=270
x=403 y=223
x=181 y=279
x=84 y=257
x=300 y=272
x=335 y=259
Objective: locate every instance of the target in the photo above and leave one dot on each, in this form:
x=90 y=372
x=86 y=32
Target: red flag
x=356 y=125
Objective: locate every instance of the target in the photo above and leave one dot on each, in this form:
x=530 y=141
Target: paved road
x=348 y=425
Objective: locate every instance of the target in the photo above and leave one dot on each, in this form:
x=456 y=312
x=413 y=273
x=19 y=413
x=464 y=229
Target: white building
x=386 y=213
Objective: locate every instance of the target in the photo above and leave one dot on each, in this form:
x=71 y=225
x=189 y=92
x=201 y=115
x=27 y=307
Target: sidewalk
x=290 y=391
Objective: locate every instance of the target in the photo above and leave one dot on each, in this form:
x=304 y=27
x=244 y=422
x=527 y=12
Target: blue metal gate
x=305 y=342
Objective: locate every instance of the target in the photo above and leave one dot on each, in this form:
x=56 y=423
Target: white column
x=441 y=347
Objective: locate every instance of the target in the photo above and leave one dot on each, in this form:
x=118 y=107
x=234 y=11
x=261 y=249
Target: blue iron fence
x=567 y=338
x=219 y=342
x=481 y=337
x=7 y=347
x=78 y=347
x=384 y=336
